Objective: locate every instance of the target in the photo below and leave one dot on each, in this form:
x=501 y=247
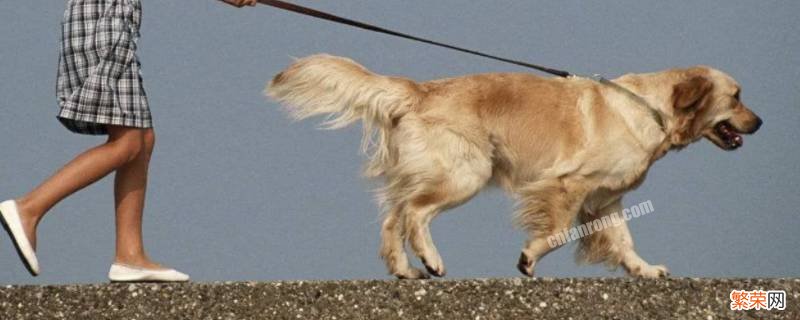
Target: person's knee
x=128 y=143
x=131 y=147
x=149 y=142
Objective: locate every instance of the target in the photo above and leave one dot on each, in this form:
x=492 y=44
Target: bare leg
x=122 y=146
x=130 y=185
x=122 y=149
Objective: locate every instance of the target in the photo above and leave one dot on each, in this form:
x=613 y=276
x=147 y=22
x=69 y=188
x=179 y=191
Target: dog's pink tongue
x=738 y=139
x=730 y=135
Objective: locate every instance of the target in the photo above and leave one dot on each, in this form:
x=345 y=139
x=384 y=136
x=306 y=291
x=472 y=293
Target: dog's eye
x=736 y=95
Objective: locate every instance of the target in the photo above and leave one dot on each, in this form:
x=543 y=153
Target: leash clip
x=596 y=77
x=599 y=77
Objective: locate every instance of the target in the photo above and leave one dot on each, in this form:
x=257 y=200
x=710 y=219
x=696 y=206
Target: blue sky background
x=238 y=192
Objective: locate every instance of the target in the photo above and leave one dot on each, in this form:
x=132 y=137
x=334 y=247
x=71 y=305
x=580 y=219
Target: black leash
x=326 y=16
x=561 y=73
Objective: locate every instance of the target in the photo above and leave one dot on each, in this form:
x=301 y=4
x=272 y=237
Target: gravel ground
x=587 y=298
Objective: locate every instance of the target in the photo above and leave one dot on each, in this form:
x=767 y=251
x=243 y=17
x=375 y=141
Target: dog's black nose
x=758 y=124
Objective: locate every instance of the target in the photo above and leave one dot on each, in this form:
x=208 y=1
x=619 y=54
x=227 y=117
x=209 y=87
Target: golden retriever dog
x=566 y=148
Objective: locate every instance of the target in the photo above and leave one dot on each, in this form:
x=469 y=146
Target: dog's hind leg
x=392 y=246
x=424 y=206
x=438 y=167
x=613 y=244
x=546 y=208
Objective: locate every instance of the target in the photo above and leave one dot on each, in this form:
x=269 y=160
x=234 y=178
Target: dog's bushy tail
x=346 y=92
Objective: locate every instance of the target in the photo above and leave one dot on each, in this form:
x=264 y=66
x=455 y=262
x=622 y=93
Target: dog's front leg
x=614 y=244
x=546 y=208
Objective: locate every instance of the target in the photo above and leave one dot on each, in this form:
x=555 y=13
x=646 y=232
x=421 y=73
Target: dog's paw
x=525 y=265
x=650 y=271
x=411 y=274
x=436 y=268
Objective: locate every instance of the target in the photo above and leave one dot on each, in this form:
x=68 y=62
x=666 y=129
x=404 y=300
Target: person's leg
x=123 y=146
x=130 y=186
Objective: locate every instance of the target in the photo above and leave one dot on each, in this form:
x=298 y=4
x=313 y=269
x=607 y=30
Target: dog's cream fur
x=565 y=148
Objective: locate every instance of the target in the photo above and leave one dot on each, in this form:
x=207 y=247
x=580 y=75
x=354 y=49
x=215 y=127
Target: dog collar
x=656 y=114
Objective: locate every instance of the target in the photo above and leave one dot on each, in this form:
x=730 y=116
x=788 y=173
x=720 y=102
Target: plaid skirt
x=99 y=80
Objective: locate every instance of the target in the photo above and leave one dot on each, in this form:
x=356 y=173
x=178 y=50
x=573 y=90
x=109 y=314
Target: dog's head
x=707 y=103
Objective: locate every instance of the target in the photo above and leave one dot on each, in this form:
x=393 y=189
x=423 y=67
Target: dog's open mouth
x=730 y=138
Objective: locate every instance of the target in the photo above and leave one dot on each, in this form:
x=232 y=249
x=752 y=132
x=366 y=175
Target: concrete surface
x=587 y=298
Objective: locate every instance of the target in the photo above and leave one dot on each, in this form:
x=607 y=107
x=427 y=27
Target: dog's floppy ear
x=690 y=92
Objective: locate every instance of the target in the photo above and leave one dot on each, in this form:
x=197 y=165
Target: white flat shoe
x=9 y=217
x=126 y=273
